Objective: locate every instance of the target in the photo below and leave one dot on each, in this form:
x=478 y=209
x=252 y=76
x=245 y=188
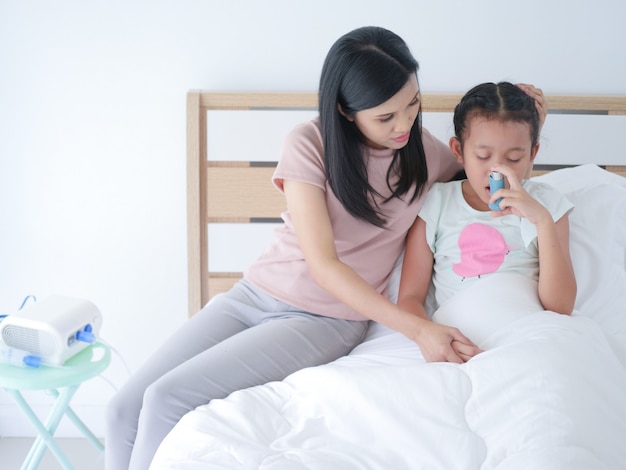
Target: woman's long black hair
x=363 y=69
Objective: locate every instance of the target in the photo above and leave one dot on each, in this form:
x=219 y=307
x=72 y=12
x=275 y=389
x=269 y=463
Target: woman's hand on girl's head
x=540 y=101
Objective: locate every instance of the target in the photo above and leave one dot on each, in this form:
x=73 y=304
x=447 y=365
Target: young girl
x=354 y=180
x=458 y=239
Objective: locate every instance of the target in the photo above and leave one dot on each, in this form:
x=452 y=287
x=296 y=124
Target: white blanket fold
x=547 y=393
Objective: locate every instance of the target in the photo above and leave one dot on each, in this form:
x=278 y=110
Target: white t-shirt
x=371 y=251
x=468 y=244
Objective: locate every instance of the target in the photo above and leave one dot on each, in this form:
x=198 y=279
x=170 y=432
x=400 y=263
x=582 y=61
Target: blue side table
x=62 y=383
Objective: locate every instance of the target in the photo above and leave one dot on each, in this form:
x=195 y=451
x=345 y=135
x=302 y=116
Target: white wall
x=92 y=126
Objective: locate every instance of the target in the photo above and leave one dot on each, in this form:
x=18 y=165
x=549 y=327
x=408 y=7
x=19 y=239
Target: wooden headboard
x=220 y=190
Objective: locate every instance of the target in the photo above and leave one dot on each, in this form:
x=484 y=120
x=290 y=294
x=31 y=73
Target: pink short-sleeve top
x=282 y=272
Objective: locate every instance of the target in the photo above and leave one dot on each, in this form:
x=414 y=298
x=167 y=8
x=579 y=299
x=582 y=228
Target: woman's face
x=388 y=125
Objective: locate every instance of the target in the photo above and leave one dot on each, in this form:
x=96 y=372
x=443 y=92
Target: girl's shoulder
x=444 y=189
x=440 y=195
x=550 y=196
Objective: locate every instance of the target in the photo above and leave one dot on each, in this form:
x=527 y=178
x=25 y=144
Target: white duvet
x=547 y=393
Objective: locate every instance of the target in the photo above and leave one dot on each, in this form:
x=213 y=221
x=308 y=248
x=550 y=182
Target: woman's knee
x=155 y=395
x=165 y=399
x=118 y=410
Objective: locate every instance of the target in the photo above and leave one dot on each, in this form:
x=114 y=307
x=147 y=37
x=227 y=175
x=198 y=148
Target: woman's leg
x=284 y=341
x=215 y=322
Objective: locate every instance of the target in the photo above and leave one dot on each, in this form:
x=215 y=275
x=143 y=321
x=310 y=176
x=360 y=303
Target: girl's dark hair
x=363 y=69
x=503 y=102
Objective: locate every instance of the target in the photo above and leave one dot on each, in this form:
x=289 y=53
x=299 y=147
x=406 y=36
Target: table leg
x=69 y=412
x=46 y=431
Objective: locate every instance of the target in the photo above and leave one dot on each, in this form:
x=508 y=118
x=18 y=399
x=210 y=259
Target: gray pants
x=240 y=339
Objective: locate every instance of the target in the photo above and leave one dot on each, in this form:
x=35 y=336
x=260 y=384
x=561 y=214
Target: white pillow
x=597 y=245
x=579 y=177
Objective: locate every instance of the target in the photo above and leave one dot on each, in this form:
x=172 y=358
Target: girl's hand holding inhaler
x=515 y=200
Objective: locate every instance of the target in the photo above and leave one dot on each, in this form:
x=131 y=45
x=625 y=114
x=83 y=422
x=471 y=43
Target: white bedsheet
x=548 y=393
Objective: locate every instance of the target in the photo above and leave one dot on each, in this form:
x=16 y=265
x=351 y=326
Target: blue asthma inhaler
x=496 y=181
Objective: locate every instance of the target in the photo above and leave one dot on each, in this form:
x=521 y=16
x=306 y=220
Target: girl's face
x=388 y=125
x=489 y=143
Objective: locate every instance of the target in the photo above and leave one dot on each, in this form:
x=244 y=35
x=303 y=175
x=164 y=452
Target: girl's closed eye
x=386 y=118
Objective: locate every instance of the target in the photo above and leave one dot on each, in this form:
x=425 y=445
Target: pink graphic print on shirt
x=483 y=249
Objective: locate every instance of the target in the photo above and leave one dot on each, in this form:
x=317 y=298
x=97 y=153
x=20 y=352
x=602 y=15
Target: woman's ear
x=344 y=114
x=456 y=148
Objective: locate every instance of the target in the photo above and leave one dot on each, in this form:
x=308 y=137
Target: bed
x=549 y=391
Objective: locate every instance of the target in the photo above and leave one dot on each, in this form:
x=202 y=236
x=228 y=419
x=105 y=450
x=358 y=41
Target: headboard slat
x=237 y=100
x=256 y=199
x=619 y=170
x=221 y=191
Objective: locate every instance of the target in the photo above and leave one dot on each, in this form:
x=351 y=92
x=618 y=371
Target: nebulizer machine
x=48 y=332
